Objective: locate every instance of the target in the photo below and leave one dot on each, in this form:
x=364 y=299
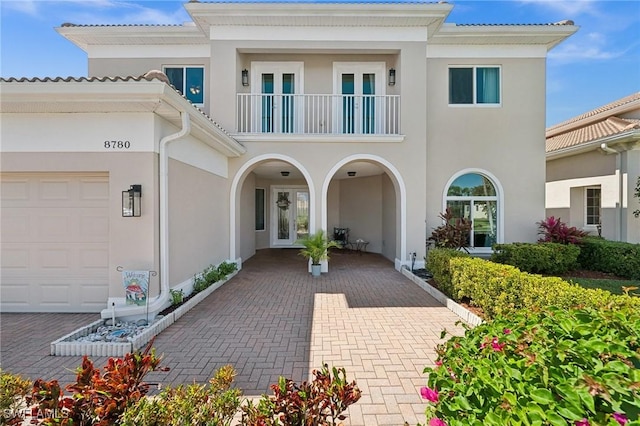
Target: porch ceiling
x=272 y=170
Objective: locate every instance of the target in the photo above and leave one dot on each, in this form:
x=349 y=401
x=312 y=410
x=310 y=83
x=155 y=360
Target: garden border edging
x=466 y=315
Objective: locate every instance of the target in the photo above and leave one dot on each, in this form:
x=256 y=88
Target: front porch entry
x=289 y=215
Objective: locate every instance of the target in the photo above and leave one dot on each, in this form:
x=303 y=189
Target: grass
x=613 y=286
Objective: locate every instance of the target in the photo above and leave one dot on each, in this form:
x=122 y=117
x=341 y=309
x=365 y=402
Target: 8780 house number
x=117 y=144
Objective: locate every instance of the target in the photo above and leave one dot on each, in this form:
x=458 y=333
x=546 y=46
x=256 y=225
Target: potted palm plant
x=316 y=248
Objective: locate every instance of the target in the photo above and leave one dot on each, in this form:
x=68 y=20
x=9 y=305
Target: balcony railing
x=319 y=114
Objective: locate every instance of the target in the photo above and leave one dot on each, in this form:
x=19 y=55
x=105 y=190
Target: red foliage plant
x=98 y=398
x=555 y=231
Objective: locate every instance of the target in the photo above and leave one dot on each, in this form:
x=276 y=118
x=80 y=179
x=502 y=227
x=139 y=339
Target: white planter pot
x=315 y=270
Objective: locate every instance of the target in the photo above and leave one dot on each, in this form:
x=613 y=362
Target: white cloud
x=570 y=9
x=100 y=11
x=591 y=46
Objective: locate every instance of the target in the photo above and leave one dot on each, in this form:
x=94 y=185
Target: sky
x=597 y=65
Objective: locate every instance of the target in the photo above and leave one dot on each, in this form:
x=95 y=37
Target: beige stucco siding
x=615 y=175
x=506 y=141
x=361 y=210
x=198 y=220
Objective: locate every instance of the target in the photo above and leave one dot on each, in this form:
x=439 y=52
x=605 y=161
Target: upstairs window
x=189 y=81
x=474 y=85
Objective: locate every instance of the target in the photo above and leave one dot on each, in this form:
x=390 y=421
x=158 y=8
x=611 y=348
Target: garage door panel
x=94 y=190
x=15 y=189
x=15 y=225
x=14 y=259
x=97 y=258
x=55 y=189
x=15 y=294
x=55 y=242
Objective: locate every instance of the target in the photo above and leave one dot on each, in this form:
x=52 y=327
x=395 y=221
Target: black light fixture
x=284 y=173
x=392 y=77
x=131 y=201
x=245 y=77
x=352 y=174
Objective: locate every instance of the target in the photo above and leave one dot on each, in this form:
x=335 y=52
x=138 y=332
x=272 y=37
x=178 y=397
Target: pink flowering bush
x=554 y=367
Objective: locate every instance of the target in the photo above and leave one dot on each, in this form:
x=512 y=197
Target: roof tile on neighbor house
x=149 y=76
x=609 y=127
x=599 y=123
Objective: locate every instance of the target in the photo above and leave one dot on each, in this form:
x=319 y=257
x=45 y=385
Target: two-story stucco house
x=593 y=166
x=280 y=119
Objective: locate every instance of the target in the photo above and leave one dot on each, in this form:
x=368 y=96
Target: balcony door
x=289 y=215
x=359 y=108
x=278 y=109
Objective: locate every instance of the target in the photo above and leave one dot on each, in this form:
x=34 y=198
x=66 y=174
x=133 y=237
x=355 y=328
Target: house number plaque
x=117 y=144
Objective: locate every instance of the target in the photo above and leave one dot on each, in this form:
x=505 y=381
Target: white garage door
x=54 y=242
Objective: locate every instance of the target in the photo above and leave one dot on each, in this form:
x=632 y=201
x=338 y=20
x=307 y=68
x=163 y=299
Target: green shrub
x=13 y=390
x=551 y=367
x=501 y=289
x=621 y=259
x=195 y=404
x=541 y=258
x=438 y=264
x=226 y=268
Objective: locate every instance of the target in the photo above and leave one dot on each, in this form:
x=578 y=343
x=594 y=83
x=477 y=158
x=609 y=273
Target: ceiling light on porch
x=284 y=173
x=352 y=174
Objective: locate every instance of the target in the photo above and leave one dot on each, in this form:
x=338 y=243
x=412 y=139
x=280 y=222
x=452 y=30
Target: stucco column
x=630 y=227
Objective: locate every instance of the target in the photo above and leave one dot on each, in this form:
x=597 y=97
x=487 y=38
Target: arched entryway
x=272 y=198
x=366 y=194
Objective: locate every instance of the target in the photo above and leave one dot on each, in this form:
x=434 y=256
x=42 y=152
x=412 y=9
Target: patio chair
x=341 y=236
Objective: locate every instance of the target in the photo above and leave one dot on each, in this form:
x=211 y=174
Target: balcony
x=350 y=116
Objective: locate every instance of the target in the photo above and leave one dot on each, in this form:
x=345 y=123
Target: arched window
x=473 y=196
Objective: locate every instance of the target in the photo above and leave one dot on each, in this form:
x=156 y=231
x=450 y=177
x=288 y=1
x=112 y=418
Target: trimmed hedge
x=621 y=259
x=540 y=258
x=502 y=289
x=438 y=265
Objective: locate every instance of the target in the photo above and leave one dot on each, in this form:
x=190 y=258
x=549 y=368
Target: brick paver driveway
x=274 y=319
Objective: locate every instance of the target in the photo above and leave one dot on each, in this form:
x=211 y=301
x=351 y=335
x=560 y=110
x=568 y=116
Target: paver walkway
x=274 y=319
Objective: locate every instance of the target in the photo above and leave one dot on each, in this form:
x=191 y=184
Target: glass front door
x=290 y=213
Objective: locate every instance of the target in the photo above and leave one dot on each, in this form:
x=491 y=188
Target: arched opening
x=365 y=195
x=476 y=195
x=271 y=205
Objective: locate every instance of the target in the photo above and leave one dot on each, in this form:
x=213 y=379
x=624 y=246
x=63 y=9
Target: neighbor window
x=592 y=213
x=260 y=206
x=474 y=85
x=189 y=81
x=473 y=196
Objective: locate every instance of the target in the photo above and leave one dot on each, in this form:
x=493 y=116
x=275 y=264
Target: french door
x=278 y=109
x=361 y=86
x=289 y=215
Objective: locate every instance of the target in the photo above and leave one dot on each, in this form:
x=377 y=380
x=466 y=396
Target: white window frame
x=475 y=103
x=264 y=209
x=499 y=197
x=588 y=225
x=277 y=68
x=358 y=68
x=184 y=79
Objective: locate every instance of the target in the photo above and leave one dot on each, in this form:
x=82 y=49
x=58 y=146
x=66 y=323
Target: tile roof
x=149 y=76
x=547 y=24
x=596 y=124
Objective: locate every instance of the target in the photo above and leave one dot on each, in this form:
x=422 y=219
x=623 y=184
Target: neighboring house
x=368 y=116
x=593 y=164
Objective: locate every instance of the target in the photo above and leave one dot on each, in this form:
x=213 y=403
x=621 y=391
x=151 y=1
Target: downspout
x=619 y=217
x=164 y=205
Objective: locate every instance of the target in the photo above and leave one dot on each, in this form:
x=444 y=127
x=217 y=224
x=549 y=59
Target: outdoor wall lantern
x=245 y=77
x=131 y=201
x=392 y=77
